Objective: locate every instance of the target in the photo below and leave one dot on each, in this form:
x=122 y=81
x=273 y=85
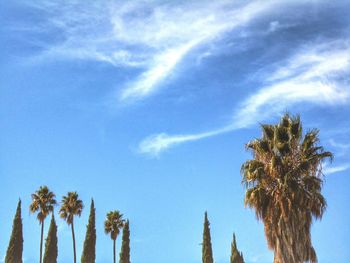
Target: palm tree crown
x=284 y=181
x=43 y=202
x=71 y=206
x=113 y=223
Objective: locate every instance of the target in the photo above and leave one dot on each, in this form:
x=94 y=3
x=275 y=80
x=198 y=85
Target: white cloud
x=176 y=30
x=335 y=169
x=343 y=146
x=277 y=97
x=154 y=36
x=313 y=62
x=155 y=144
x=311 y=76
x=163 y=65
x=274 y=25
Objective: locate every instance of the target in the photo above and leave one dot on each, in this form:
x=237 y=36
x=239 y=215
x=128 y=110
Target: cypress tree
x=207 y=252
x=15 y=248
x=51 y=251
x=89 y=253
x=125 y=249
x=236 y=256
x=242 y=258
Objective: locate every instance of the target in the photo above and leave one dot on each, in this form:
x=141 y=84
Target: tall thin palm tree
x=70 y=207
x=113 y=223
x=284 y=181
x=43 y=202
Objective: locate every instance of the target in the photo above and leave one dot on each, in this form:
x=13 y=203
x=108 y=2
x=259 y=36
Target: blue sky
x=146 y=106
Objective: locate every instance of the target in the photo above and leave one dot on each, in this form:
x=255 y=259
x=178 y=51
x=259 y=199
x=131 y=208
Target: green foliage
x=51 y=250
x=71 y=206
x=43 y=202
x=207 y=252
x=15 y=248
x=125 y=249
x=89 y=250
x=284 y=181
x=236 y=256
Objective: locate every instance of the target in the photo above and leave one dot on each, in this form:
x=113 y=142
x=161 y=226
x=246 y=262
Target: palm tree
x=284 y=181
x=43 y=202
x=113 y=223
x=71 y=206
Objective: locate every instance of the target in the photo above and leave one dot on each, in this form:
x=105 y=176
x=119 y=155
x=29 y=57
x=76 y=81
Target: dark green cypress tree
x=51 y=250
x=207 y=252
x=15 y=248
x=242 y=258
x=89 y=250
x=236 y=256
x=125 y=249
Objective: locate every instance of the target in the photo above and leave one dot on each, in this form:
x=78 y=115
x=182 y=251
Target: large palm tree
x=113 y=223
x=70 y=207
x=284 y=181
x=43 y=202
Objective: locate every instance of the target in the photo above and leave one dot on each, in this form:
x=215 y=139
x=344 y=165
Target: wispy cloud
x=157 y=143
x=163 y=65
x=274 y=25
x=184 y=31
x=342 y=149
x=335 y=169
x=343 y=146
x=312 y=76
x=153 y=36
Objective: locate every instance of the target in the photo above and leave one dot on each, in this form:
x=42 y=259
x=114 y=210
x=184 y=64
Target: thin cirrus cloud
x=313 y=75
x=152 y=36
x=336 y=169
x=180 y=32
x=149 y=79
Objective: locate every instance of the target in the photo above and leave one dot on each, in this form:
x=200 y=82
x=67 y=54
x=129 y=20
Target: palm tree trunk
x=74 y=251
x=278 y=253
x=114 y=251
x=41 y=241
x=277 y=259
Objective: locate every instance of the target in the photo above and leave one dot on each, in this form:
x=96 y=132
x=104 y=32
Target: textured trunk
x=277 y=259
x=41 y=241
x=75 y=256
x=114 y=259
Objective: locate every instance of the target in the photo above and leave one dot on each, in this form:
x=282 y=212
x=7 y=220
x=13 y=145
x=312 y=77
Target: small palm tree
x=113 y=223
x=71 y=206
x=284 y=182
x=43 y=202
